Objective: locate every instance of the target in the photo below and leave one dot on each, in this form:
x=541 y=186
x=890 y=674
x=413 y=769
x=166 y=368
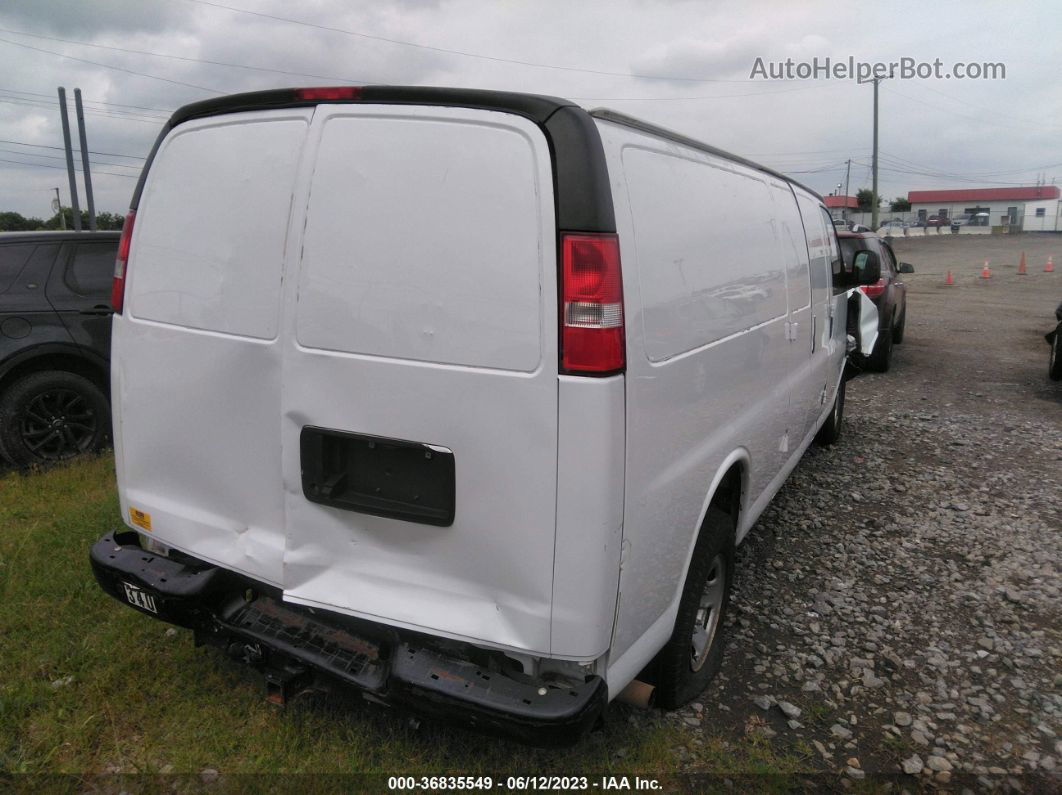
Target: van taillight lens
x=118 y=285
x=873 y=290
x=591 y=304
x=328 y=93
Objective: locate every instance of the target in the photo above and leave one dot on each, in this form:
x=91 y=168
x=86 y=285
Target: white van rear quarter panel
x=708 y=363
x=373 y=282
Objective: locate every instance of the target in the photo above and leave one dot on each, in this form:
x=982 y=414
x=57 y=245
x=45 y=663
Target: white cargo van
x=462 y=398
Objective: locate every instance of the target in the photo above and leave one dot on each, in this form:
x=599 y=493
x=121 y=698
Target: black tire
x=881 y=358
x=52 y=415
x=830 y=432
x=678 y=681
x=1054 y=367
x=898 y=329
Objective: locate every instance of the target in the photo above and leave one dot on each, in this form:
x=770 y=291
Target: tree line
x=16 y=222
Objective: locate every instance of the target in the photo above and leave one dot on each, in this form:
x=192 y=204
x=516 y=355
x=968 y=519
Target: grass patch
x=90 y=687
x=142 y=701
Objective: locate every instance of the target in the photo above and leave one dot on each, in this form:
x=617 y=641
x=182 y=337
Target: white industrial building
x=1029 y=209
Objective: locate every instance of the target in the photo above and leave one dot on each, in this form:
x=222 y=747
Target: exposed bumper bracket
x=296 y=647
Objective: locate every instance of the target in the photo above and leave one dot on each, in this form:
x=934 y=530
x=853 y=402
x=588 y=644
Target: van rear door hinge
x=791 y=331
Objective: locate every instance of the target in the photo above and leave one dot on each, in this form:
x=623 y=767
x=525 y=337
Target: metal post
x=69 y=160
x=874 y=188
x=59 y=209
x=847 y=174
x=85 y=159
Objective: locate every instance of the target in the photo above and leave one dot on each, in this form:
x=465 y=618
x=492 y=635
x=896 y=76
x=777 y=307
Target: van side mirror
x=906 y=267
x=866 y=267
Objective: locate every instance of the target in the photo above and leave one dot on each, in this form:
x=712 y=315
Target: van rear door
x=196 y=359
x=418 y=405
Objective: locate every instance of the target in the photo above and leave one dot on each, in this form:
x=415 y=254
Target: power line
x=944 y=176
x=63 y=168
x=684 y=99
x=1041 y=167
x=186 y=58
x=979 y=107
x=463 y=53
x=87 y=101
x=57 y=157
x=967 y=116
x=108 y=66
x=59 y=148
x=40 y=103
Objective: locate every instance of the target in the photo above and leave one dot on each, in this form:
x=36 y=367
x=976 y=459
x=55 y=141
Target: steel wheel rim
x=706 y=621
x=58 y=423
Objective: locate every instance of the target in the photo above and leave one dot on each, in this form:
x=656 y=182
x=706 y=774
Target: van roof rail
x=638 y=124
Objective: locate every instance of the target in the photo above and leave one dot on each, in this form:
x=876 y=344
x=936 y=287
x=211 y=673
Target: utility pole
x=874 y=162
x=69 y=160
x=59 y=209
x=847 y=174
x=85 y=159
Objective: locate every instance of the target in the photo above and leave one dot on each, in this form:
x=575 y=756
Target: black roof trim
x=535 y=107
x=582 y=192
x=662 y=132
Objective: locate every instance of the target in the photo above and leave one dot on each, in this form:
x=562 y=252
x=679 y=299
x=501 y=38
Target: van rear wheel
x=693 y=655
x=830 y=431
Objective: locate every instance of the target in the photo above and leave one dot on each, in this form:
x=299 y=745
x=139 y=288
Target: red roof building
x=1035 y=208
x=982 y=195
x=841 y=202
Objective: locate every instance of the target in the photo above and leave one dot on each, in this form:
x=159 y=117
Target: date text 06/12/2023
x=524 y=783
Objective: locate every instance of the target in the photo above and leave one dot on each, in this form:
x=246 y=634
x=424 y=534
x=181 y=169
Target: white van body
x=389 y=270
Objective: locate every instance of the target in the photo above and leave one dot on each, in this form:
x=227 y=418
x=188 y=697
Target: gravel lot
x=898 y=606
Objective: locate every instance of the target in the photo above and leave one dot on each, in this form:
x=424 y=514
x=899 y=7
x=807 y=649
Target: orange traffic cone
x=949 y=280
x=1050 y=266
x=986 y=272
x=1021 y=265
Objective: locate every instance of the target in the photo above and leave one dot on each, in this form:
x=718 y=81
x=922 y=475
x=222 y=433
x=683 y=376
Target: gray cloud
x=967 y=128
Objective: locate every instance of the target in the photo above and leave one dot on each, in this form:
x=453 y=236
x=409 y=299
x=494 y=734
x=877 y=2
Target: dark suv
x=888 y=293
x=55 y=341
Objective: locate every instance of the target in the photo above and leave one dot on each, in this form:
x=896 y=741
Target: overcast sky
x=684 y=65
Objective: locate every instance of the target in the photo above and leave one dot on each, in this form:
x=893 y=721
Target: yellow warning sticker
x=141 y=519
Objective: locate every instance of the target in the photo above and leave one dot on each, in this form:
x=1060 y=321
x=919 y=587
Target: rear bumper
x=297 y=647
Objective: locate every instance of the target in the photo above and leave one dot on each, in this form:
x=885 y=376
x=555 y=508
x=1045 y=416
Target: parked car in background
x=859 y=228
x=840 y=224
x=970 y=219
x=1054 y=339
x=936 y=221
x=893 y=226
x=55 y=340
x=889 y=293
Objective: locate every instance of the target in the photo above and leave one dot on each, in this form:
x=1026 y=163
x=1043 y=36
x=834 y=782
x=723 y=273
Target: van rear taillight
x=118 y=285
x=592 y=305
x=328 y=93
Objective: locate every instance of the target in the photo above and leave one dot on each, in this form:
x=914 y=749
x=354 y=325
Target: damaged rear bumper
x=297 y=647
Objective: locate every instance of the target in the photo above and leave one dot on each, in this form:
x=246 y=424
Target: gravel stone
x=913 y=765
